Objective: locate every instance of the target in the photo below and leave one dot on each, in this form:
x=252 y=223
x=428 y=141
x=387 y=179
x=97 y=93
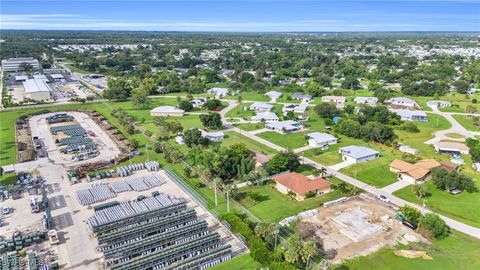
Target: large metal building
x=37 y=89
x=17 y=64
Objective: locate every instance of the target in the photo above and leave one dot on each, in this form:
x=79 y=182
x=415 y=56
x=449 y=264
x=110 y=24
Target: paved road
x=456 y=128
x=459 y=226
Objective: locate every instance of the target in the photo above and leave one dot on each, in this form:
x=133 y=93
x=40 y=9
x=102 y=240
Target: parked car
x=409 y=224
x=6 y=210
x=383 y=198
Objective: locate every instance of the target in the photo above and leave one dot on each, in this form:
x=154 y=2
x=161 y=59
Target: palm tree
x=418 y=190
x=320 y=172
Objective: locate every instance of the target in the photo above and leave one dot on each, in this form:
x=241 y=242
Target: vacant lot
x=250 y=126
x=457 y=251
x=289 y=141
x=466 y=122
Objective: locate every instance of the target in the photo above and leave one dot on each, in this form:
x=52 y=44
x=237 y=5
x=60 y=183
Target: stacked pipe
x=152 y=165
x=94 y=194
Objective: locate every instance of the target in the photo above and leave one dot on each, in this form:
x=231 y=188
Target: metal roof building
x=37 y=89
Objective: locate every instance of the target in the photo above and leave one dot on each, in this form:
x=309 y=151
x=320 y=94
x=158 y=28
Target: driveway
x=341 y=165
x=304 y=148
x=396 y=186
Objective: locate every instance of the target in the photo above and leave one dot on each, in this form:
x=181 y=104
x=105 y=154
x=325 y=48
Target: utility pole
x=228 y=200
x=276 y=237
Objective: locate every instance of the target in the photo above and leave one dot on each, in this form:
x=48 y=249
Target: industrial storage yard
x=118 y=220
x=357 y=227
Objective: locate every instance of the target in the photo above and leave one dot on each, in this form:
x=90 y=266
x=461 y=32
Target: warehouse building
x=37 y=89
x=18 y=64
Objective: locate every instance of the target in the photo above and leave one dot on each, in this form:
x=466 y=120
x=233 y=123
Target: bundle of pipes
x=94 y=194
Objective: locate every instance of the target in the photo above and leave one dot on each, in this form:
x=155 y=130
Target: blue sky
x=243 y=16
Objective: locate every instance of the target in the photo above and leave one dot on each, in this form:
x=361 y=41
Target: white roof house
x=317 y=139
x=261 y=107
x=221 y=92
x=358 y=154
x=265 y=116
x=409 y=115
x=284 y=126
x=339 y=100
x=273 y=95
x=438 y=104
x=166 y=111
x=296 y=108
x=198 y=102
x=403 y=102
x=37 y=89
x=302 y=96
x=451 y=147
x=213 y=136
x=366 y=100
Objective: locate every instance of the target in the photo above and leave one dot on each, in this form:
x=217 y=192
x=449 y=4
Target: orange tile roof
x=300 y=184
x=417 y=170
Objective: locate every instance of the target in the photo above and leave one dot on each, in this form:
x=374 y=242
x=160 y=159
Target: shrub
x=435 y=225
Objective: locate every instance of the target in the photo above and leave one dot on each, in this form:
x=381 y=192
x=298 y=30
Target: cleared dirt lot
x=355 y=228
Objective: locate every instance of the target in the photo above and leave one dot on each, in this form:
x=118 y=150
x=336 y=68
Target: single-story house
x=451 y=148
x=284 y=126
x=296 y=108
x=410 y=115
x=273 y=95
x=372 y=101
x=198 y=102
x=268 y=117
x=438 y=104
x=407 y=149
x=261 y=107
x=413 y=173
x=402 y=102
x=358 y=154
x=317 y=139
x=338 y=100
x=301 y=96
x=261 y=159
x=218 y=91
x=301 y=185
x=166 y=111
x=214 y=136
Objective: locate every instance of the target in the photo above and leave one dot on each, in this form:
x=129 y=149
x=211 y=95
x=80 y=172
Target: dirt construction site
x=357 y=227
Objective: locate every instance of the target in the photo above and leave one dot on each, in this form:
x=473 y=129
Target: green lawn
x=466 y=122
x=457 y=251
x=375 y=172
x=243 y=262
x=274 y=206
x=233 y=137
x=330 y=156
x=8 y=179
x=241 y=110
x=290 y=141
x=77 y=70
x=250 y=126
x=464 y=207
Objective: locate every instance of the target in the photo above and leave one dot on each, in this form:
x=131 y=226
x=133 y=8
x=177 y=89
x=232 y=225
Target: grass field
x=457 y=251
x=243 y=262
x=274 y=206
x=241 y=111
x=289 y=141
x=466 y=122
x=250 y=126
x=233 y=137
x=463 y=207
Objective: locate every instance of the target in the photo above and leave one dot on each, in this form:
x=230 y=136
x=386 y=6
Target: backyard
x=273 y=206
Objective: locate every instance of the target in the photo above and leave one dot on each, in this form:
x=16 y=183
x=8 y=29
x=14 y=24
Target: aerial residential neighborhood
x=232 y=135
